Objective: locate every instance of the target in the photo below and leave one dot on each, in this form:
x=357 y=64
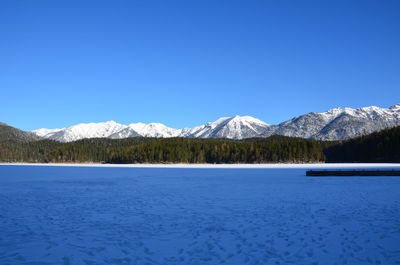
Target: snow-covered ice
x=116 y=215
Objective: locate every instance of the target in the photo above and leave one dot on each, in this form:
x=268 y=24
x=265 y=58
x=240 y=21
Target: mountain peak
x=235 y=127
x=246 y=119
x=112 y=122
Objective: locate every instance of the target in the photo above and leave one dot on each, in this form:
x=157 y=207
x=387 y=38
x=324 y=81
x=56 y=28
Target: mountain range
x=334 y=124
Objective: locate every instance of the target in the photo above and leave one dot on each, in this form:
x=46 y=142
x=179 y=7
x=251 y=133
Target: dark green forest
x=383 y=146
x=170 y=150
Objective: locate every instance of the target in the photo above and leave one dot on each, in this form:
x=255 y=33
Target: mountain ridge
x=334 y=124
x=8 y=133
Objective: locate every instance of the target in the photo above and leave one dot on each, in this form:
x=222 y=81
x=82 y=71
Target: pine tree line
x=183 y=150
x=382 y=146
x=170 y=150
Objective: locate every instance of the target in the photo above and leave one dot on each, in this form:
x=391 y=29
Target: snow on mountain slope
x=46 y=133
x=154 y=130
x=86 y=130
x=236 y=127
x=124 y=133
x=147 y=130
x=340 y=123
x=334 y=124
x=356 y=122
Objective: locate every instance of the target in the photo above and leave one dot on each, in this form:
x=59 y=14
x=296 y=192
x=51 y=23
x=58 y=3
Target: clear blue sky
x=183 y=63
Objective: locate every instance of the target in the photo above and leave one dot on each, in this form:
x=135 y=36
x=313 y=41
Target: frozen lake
x=110 y=215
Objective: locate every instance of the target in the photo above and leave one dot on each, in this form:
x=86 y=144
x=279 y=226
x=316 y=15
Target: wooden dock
x=345 y=173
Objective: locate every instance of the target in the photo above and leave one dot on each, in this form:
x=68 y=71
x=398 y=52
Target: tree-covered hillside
x=8 y=133
x=383 y=146
x=15 y=151
x=182 y=150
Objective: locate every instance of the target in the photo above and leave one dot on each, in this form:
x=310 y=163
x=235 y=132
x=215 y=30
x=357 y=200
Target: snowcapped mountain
x=340 y=123
x=147 y=130
x=81 y=131
x=235 y=127
x=46 y=133
x=334 y=124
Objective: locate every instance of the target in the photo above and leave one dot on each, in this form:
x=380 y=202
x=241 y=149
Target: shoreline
x=222 y=166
